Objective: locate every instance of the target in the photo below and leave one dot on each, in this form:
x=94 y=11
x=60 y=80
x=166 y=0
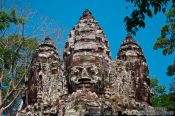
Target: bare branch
x=4 y=108
x=20 y=107
x=12 y=91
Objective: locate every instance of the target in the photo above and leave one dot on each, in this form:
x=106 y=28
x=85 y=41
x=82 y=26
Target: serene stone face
x=85 y=75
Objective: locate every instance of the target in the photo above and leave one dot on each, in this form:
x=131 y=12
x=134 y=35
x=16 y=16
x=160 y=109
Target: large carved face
x=85 y=75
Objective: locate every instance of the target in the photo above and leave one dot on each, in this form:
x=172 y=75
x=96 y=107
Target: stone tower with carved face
x=86 y=56
x=131 y=53
x=44 y=67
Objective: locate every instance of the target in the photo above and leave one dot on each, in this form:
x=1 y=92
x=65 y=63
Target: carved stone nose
x=84 y=77
x=84 y=73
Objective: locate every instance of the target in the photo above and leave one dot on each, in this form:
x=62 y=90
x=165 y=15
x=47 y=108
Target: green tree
x=157 y=89
x=166 y=41
x=160 y=97
x=143 y=8
x=18 y=41
x=15 y=54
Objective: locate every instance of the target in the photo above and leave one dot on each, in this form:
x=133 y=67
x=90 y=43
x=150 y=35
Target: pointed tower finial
x=47 y=38
x=86 y=15
x=129 y=37
x=47 y=42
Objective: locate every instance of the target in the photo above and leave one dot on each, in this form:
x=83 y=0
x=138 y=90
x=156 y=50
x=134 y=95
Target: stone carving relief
x=87 y=82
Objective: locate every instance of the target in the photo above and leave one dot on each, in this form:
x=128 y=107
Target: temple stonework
x=87 y=82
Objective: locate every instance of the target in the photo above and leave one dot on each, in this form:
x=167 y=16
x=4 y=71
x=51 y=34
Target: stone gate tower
x=87 y=82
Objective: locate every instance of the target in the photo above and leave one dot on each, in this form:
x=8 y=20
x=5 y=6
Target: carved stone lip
x=84 y=79
x=84 y=82
x=83 y=85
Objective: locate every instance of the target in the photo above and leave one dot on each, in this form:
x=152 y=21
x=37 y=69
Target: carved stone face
x=85 y=75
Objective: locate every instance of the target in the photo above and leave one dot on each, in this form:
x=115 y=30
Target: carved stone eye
x=91 y=70
x=76 y=70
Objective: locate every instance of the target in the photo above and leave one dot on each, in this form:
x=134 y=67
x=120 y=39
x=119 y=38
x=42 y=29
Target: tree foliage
x=157 y=89
x=19 y=35
x=166 y=41
x=15 y=54
x=143 y=8
x=160 y=97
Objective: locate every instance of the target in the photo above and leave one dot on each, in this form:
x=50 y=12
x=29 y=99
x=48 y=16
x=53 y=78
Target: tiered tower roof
x=87 y=39
x=48 y=42
x=47 y=49
x=130 y=49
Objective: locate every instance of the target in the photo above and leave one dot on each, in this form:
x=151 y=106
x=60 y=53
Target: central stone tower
x=86 y=56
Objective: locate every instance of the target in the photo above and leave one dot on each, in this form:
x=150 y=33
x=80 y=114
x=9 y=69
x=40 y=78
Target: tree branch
x=12 y=91
x=4 y=108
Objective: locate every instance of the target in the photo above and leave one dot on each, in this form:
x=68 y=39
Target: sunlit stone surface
x=87 y=82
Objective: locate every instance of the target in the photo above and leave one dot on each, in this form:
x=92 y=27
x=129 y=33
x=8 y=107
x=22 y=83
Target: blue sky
x=110 y=15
